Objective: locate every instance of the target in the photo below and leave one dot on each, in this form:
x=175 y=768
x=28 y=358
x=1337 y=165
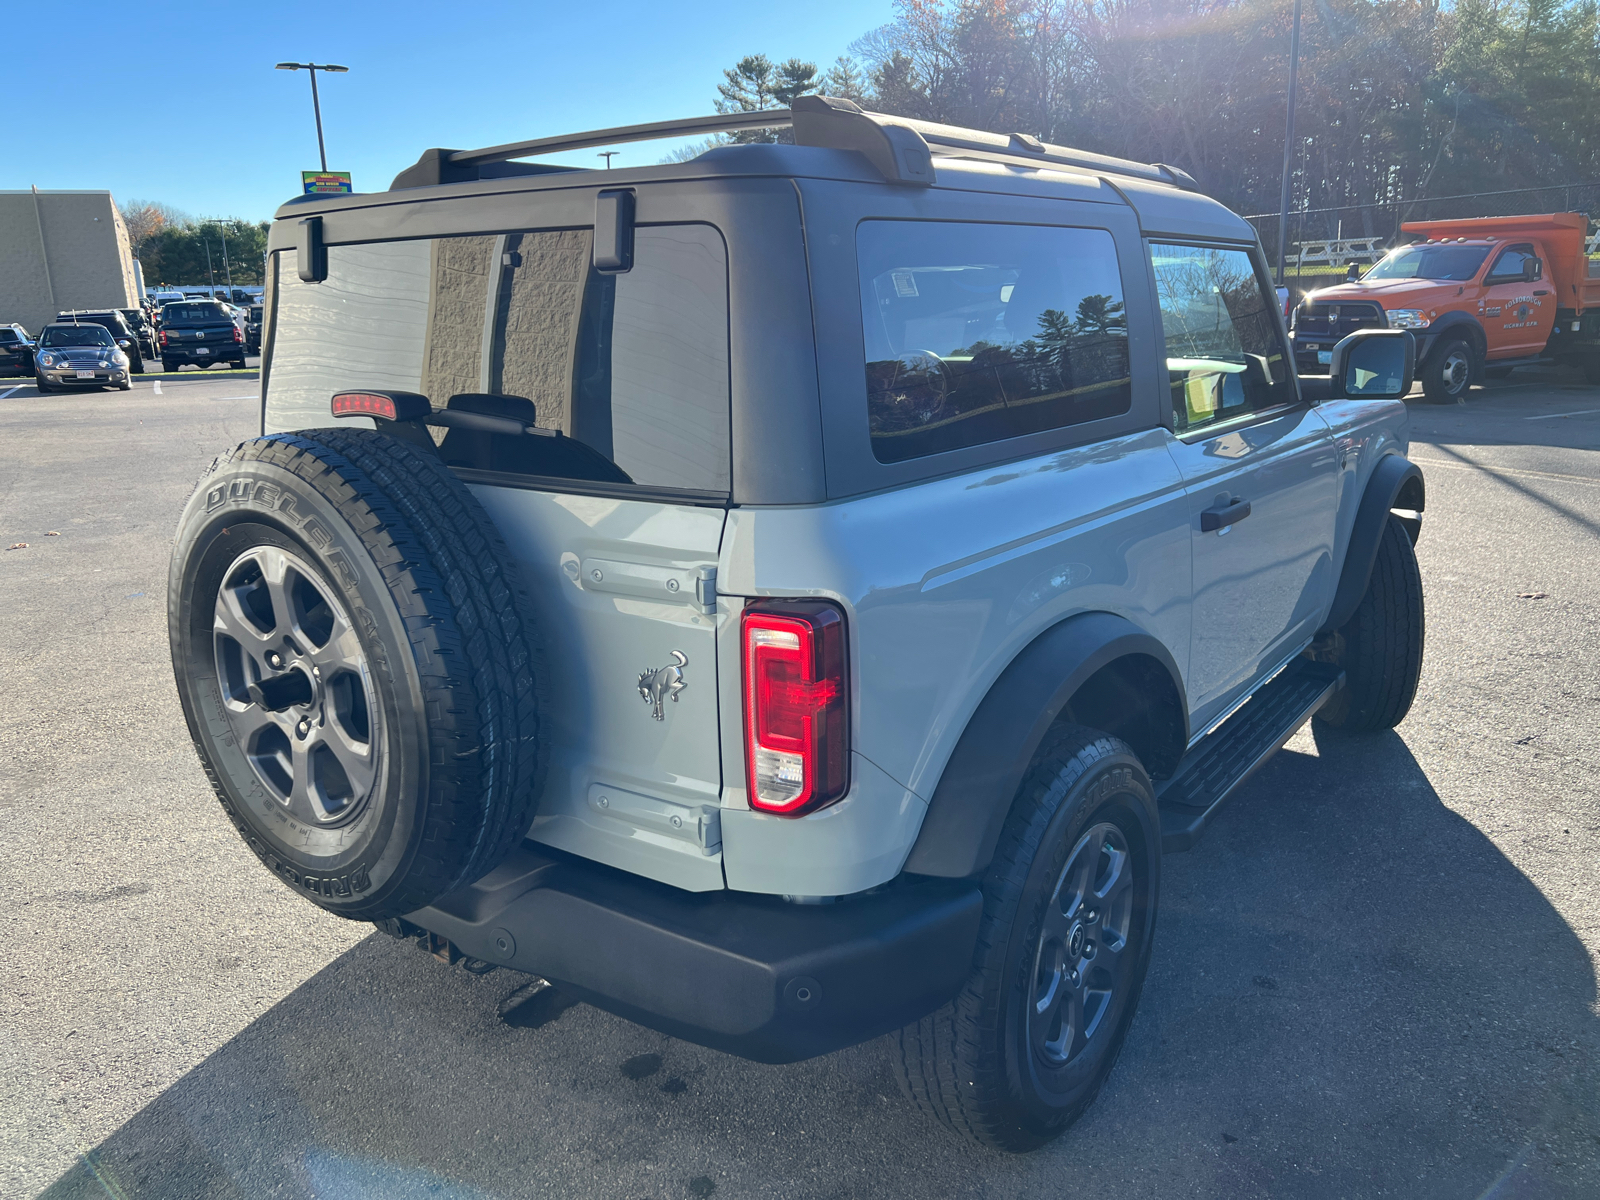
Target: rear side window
x=976 y=332
x=631 y=368
x=8 y=336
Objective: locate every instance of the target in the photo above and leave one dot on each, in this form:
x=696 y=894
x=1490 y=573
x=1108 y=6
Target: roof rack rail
x=900 y=148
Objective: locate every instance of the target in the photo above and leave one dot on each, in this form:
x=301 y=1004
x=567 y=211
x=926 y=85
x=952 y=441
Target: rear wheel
x=1380 y=646
x=168 y=366
x=1069 y=914
x=1447 y=373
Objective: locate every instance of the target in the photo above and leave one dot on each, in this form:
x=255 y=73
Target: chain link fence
x=1360 y=227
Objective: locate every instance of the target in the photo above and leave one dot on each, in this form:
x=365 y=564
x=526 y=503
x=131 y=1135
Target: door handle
x=1224 y=515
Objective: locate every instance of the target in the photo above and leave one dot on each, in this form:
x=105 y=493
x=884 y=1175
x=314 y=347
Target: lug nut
x=304 y=727
x=274 y=660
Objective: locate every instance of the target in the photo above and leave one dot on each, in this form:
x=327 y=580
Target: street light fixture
x=316 y=105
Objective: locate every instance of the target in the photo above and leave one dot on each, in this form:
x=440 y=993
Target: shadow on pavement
x=1354 y=994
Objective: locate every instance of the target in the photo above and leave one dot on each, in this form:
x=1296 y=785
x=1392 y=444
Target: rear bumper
x=752 y=975
x=221 y=352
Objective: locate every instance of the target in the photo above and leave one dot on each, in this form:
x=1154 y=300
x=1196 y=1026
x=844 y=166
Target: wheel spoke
x=274 y=569
x=355 y=757
x=342 y=650
x=229 y=618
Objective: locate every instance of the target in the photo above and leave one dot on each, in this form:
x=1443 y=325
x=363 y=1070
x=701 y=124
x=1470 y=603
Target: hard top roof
x=835 y=139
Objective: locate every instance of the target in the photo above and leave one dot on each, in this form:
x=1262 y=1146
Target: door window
x=1512 y=265
x=631 y=369
x=1225 y=355
x=975 y=333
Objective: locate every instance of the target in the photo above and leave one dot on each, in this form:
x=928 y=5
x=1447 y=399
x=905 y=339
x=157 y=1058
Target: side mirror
x=1532 y=270
x=1373 y=364
x=1352 y=273
x=123 y=343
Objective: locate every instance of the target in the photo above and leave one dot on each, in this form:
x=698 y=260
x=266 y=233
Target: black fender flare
x=1396 y=482
x=969 y=807
x=1459 y=324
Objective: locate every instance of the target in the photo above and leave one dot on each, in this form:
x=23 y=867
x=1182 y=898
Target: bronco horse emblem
x=662 y=683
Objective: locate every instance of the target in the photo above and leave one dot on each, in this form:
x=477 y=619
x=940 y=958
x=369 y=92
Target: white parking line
x=18 y=388
x=1582 y=412
x=158 y=387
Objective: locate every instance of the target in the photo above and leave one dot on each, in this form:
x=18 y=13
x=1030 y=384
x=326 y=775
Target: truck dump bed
x=1575 y=278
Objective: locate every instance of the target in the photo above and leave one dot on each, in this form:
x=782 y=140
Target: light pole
x=316 y=105
x=1288 y=142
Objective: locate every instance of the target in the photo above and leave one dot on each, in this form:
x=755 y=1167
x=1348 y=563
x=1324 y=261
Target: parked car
x=793 y=596
x=80 y=354
x=143 y=327
x=201 y=332
x=1483 y=296
x=16 y=350
x=252 y=330
x=116 y=324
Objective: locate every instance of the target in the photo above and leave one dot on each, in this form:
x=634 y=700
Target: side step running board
x=1230 y=754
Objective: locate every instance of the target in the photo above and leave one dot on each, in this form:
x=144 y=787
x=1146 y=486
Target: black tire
x=38 y=382
x=1380 y=646
x=124 y=386
x=1447 y=373
x=413 y=766
x=974 y=1064
x=136 y=366
x=239 y=363
x=1591 y=370
x=1493 y=372
x=167 y=366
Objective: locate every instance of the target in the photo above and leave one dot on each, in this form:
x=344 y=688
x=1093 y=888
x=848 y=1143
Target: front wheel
x=1069 y=915
x=1447 y=373
x=38 y=382
x=1380 y=646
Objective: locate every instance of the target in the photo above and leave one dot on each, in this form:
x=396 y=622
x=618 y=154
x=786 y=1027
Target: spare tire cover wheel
x=355 y=654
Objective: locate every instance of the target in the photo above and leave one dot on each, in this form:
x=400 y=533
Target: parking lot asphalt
x=1375 y=976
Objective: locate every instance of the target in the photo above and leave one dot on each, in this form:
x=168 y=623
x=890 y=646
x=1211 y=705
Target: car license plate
x=1325 y=357
x=202 y=350
x=85 y=374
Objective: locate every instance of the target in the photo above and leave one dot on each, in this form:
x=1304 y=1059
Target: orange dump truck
x=1482 y=296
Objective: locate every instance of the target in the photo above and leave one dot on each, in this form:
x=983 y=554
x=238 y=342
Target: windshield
x=1430 y=262
x=77 y=335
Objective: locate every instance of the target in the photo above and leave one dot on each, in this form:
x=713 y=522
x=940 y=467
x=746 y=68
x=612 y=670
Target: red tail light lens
x=163 y=337
x=796 y=716
x=238 y=334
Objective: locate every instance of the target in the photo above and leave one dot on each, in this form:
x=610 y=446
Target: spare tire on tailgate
x=356 y=658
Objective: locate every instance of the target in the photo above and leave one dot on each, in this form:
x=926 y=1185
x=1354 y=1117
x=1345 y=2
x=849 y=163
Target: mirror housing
x=123 y=343
x=1373 y=364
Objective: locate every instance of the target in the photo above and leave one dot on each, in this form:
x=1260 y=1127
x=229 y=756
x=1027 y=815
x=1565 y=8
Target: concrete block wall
x=60 y=250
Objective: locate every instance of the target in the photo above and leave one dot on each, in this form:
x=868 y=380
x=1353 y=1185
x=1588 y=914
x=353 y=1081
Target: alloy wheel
x=296 y=687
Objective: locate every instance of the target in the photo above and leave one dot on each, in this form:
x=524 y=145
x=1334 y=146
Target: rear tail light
x=797 y=753
x=163 y=337
x=238 y=334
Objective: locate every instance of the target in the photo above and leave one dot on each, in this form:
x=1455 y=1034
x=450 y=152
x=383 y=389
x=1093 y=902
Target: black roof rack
x=900 y=148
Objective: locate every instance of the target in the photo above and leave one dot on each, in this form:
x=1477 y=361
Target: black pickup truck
x=200 y=332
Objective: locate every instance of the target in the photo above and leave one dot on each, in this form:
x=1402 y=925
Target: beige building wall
x=61 y=250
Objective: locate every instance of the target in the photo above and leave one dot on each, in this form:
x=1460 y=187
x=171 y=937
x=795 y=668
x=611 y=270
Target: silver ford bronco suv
x=795 y=595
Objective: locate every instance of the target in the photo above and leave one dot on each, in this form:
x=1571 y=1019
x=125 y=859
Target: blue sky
x=193 y=114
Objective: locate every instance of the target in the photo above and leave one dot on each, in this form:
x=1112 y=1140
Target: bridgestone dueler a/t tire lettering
x=972 y=1064
x=1380 y=646
x=387 y=539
